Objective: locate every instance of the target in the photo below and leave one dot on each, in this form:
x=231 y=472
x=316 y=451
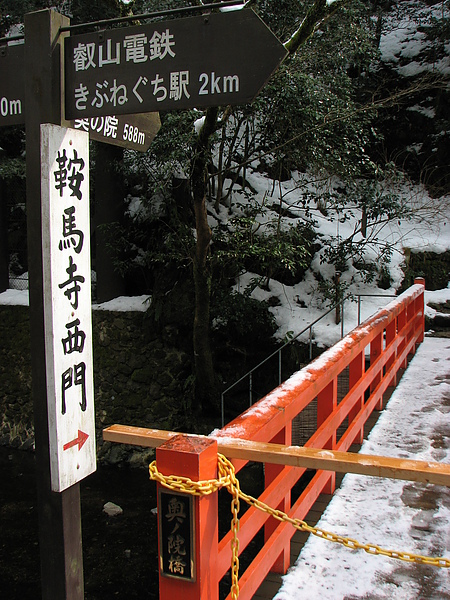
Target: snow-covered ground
x=301 y=304
x=393 y=514
x=122 y=304
x=404 y=42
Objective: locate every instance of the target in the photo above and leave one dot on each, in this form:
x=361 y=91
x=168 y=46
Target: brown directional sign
x=12 y=84
x=222 y=58
x=129 y=131
x=135 y=132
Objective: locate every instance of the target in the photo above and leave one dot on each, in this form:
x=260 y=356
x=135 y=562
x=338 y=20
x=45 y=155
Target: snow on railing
x=372 y=357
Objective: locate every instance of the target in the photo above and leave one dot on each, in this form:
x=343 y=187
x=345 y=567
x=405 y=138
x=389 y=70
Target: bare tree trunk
x=220 y=173
x=206 y=387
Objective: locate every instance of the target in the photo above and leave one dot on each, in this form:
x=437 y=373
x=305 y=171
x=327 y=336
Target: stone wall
x=16 y=408
x=140 y=376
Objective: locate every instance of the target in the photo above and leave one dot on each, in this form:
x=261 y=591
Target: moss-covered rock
x=433 y=266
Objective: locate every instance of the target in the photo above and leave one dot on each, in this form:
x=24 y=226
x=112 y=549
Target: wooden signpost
x=59 y=512
x=135 y=132
x=12 y=85
x=219 y=59
x=67 y=303
x=212 y=60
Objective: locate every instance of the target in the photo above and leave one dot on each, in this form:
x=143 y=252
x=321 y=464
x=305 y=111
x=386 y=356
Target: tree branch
x=319 y=12
x=335 y=117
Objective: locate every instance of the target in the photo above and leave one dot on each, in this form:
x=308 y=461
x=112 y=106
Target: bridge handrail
x=309 y=327
x=385 y=340
x=274 y=353
x=391 y=335
x=320 y=372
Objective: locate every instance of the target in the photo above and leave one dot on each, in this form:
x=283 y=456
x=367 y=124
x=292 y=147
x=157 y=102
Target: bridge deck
x=404 y=516
x=273 y=581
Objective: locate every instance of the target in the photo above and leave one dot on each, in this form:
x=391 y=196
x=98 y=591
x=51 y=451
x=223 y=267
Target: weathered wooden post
x=188 y=525
x=59 y=513
x=4 y=257
x=12 y=84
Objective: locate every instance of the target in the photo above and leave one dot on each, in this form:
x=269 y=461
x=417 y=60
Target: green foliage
x=142 y=246
x=271 y=250
x=303 y=123
x=12 y=140
x=144 y=6
x=343 y=253
x=11 y=168
x=379 y=199
x=437 y=31
x=12 y=12
x=282 y=16
x=376 y=203
x=384 y=279
x=169 y=154
x=243 y=319
x=416 y=129
x=85 y=11
x=158 y=228
x=333 y=291
x=308 y=113
x=12 y=155
x=80 y=11
x=434 y=267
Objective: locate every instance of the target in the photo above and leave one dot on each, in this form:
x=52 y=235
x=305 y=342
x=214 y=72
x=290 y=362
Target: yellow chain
x=227 y=478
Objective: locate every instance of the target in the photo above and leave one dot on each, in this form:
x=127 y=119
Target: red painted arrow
x=80 y=440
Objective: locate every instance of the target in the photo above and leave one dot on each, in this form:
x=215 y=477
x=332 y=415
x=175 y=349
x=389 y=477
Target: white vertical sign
x=67 y=303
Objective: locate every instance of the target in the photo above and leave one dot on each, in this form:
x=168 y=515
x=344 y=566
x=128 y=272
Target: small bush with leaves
x=243 y=319
x=253 y=241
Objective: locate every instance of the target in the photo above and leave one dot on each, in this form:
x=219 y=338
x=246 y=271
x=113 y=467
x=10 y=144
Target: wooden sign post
x=196 y=62
x=135 y=132
x=12 y=85
x=213 y=60
x=59 y=512
x=67 y=304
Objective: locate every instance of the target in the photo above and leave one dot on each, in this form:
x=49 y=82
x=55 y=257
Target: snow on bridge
x=394 y=514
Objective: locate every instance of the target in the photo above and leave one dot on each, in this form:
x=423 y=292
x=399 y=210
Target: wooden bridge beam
x=296 y=456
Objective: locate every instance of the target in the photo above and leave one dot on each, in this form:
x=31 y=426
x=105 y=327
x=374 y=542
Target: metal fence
x=15 y=230
x=338 y=308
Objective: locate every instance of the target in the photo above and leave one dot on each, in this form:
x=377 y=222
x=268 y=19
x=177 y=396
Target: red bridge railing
x=373 y=355
x=385 y=340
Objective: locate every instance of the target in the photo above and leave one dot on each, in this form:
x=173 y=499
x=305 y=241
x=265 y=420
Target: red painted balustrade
x=372 y=355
